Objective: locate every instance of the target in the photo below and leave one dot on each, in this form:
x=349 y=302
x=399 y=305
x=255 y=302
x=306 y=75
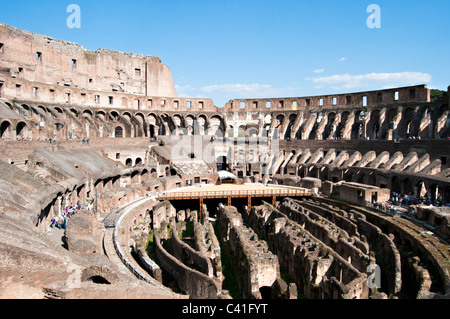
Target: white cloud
x=319 y=71
x=380 y=80
x=247 y=91
x=184 y=88
x=342 y=59
x=236 y=88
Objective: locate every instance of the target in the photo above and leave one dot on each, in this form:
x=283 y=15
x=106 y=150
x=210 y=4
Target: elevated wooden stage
x=230 y=191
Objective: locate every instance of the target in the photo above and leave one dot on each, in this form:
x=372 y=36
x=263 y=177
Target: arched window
x=118 y=132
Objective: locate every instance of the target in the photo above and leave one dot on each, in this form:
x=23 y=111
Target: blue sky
x=232 y=49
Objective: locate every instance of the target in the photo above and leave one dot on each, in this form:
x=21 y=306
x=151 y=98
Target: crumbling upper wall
x=417 y=93
x=42 y=59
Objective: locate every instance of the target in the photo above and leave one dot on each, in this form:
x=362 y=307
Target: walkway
x=230 y=191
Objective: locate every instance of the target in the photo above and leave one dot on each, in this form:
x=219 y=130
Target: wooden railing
x=237 y=193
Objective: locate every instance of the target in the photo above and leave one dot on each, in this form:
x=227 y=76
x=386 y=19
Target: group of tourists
x=61 y=221
x=410 y=199
x=388 y=208
x=402 y=203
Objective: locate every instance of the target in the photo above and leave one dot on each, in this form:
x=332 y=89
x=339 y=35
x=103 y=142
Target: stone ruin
x=106 y=141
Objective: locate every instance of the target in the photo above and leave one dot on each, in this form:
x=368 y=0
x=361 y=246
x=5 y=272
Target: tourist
x=60 y=223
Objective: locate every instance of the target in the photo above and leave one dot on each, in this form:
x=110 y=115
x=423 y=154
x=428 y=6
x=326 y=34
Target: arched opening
x=138 y=161
x=222 y=163
x=396 y=185
x=278 y=125
x=20 y=129
x=408 y=186
x=421 y=190
x=330 y=128
x=118 y=132
x=252 y=131
x=266 y=292
x=4 y=129
x=99 y=280
x=292 y=118
x=114 y=116
x=129 y=162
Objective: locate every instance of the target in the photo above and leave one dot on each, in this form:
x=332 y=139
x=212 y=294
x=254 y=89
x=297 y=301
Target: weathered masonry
x=173 y=197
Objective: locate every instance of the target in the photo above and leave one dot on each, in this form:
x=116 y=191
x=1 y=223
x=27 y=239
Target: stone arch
x=153 y=126
x=230 y=131
x=358 y=126
x=114 y=116
x=340 y=128
x=360 y=176
x=373 y=126
x=390 y=126
x=292 y=118
x=409 y=127
x=135 y=177
x=101 y=114
x=408 y=186
x=189 y=123
x=217 y=126
x=396 y=185
x=5 y=129
x=26 y=107
x=421 y=189
x=144 y=174
x=87 y=114
x=222 y=163
x=443 y=122
x=143 y=128
x=371 y=179
x=59 y=110
x=74 y=111
x=99 y=275
x=21 y=130
x=43 y=108
x=279 y=119
x=127 y=116
x=140 y=117
x=241 y=131
x=330 y=128
x=119 y=132
x=202 y=121
x=178 y=124
x=252 y=130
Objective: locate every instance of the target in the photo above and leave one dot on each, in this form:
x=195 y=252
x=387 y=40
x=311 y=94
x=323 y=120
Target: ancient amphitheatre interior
x=262 y=198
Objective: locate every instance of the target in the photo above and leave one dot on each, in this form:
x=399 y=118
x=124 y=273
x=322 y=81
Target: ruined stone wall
x=417 y=93
x=43 y=59
x=206 y=242
x=327 y=232
x=254 y=265
x=317 y=270
x=397 y=239
x=191 y=269
x=194 y=283
x=189 y=256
